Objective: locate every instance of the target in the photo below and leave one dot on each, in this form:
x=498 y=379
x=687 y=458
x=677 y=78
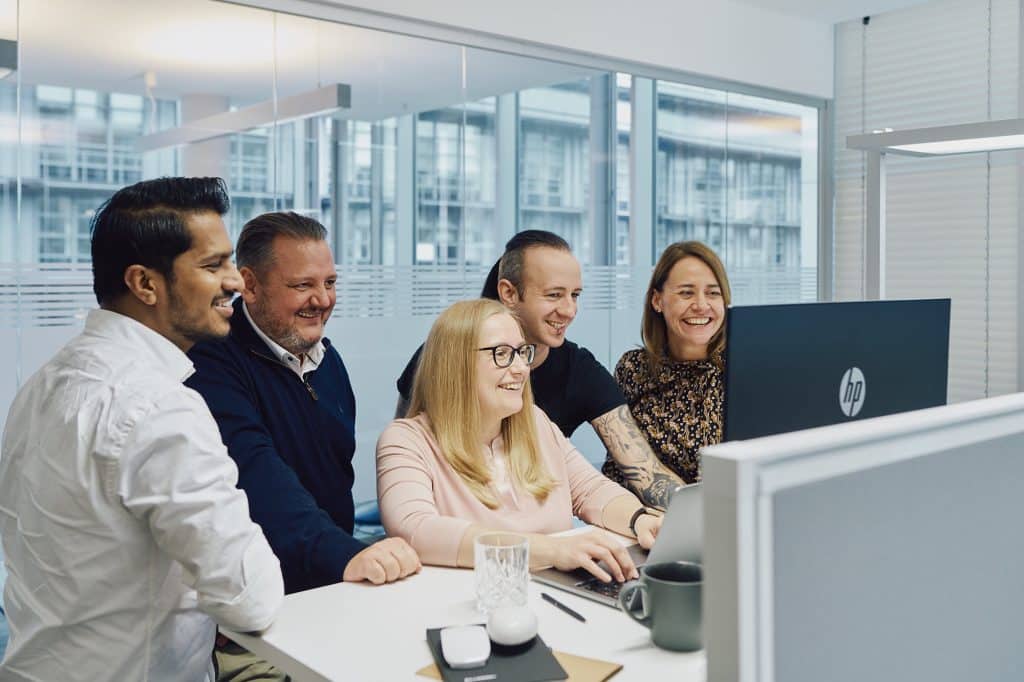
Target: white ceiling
x=832 y=11
x=203 y=47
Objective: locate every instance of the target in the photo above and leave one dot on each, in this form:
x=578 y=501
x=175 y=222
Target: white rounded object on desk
x=465 y=646
x=512 y=625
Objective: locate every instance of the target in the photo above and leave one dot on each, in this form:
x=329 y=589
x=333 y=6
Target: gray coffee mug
x=671 y=598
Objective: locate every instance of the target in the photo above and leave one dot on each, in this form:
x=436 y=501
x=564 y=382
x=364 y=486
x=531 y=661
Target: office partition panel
x=887 y=549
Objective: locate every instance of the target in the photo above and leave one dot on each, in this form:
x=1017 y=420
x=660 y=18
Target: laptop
x=680 y=539
x=797 y=366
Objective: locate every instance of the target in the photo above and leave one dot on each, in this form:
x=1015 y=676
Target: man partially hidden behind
x=282 y=398
x=126 y=540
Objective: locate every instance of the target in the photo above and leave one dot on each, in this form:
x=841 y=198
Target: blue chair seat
x=367 y=521
x=367 y=513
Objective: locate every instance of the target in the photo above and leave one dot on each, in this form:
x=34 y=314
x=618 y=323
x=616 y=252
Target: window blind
x=952 y=222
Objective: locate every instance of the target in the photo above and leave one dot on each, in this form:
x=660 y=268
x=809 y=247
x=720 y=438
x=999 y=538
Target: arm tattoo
x=645 y=474
x=654 y=489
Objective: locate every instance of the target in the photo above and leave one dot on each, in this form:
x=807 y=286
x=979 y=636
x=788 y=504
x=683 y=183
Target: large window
x=442 y=154
x=79 y=149
x=439 y=155
x=740 y=174
x=357 y=189
x=456 y=182
x=554 y=161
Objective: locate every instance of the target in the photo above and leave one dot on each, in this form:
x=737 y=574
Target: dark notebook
x=532 y=662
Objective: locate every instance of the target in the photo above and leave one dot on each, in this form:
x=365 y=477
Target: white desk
x=363 y=633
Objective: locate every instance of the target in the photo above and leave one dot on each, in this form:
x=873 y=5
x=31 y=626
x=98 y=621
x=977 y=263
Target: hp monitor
x=792 y=367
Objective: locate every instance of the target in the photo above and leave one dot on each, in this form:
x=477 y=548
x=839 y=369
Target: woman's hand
x=586 y=549
x=647 y=527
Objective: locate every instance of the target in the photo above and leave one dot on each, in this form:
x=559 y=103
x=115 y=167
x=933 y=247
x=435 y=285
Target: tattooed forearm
x=645 y=474
x=653 y=490
x=619 y=434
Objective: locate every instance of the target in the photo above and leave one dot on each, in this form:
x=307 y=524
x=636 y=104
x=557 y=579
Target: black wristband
x=636 y=515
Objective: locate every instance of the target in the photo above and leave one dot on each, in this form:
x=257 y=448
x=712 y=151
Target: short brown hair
x=255 y=248
x=653 y=329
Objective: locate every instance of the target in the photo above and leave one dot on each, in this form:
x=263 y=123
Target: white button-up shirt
x=124 y=534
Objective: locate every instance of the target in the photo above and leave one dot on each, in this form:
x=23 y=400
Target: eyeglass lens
x=505 y=355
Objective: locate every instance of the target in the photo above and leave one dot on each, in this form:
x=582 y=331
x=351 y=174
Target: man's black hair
x=144 y=224
x=513 y=258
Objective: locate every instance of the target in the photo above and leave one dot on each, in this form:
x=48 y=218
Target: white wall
x=720 y=38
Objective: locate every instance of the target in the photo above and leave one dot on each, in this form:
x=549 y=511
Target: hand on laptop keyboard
x=585 y=550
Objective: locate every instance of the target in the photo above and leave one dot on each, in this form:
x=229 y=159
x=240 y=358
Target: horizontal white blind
x=39 y=295
x=42 y=295
x=952 y=222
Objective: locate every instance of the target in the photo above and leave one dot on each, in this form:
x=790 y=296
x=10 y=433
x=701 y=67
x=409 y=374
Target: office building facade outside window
x=554 y=162
x=736 y=172
x=456 y=176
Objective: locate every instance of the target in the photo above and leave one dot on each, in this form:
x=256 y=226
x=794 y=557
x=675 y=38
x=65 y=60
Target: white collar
x=125 y=329
x=312 y=359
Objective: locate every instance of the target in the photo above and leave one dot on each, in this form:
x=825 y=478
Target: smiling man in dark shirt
x=281 y=396
x=283 y=401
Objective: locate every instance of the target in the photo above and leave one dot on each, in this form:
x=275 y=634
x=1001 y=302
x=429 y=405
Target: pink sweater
x=423 y=500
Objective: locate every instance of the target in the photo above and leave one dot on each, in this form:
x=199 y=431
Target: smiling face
x=692 y=304
x=292 y=300
x=551 y=287
x=499 y=389
x=198 y=302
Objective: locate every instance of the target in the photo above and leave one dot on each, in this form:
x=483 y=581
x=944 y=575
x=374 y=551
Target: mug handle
x=626 y=596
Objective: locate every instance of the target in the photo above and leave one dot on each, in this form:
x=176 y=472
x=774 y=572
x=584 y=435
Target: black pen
x=557 y=604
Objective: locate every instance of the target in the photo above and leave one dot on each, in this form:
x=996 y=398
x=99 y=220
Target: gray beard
x=282 y=335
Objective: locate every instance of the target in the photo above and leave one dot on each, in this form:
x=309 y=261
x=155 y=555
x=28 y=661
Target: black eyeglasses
x=504 y=354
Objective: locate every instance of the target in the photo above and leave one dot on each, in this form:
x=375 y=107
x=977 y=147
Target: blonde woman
x=475 y=455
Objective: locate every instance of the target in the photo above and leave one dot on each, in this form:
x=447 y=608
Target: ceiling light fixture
x=966 y=138
x=313 y=103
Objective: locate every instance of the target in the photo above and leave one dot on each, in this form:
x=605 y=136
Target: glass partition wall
x=420 y=157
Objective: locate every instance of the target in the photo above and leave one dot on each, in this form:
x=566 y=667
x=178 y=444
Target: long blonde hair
x=445 y=389
x=653 y=328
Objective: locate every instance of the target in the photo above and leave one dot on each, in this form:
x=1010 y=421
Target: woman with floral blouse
x=674 y=384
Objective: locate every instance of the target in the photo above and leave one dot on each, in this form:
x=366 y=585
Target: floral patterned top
x=679 y=410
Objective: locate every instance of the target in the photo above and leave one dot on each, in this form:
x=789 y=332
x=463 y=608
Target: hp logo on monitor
x=852 y=391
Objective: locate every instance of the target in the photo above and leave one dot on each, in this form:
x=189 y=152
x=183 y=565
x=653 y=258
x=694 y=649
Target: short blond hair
x=445 y=389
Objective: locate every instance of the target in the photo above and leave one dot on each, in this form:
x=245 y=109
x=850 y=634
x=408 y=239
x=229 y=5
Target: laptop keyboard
x=610 y=590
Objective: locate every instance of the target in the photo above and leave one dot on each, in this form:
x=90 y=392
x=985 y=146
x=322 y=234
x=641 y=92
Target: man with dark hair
x=539 y=279
x=125 y=537
x=282 y=398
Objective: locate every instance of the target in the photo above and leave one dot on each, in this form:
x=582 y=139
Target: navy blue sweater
x=293 y=441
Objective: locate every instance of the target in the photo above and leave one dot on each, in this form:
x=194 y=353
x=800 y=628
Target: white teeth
x=510 y=387
x=696 y=321
x=557 y=325
x=309 y=315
